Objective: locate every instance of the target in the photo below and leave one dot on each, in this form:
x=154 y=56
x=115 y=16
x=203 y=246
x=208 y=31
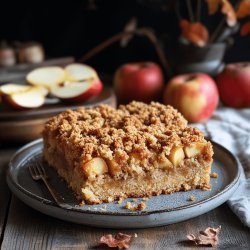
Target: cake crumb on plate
x=191 y=198
x=214 y=175
x=138 y=207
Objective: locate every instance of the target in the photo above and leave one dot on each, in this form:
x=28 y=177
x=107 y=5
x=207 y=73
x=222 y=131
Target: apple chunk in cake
x=136 y=150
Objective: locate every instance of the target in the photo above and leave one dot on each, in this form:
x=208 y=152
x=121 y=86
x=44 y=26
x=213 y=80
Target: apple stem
x=140 y=32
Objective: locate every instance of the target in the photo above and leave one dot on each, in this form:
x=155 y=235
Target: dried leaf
x=243 y=9
x=131 y=26
x=213 y=6
x=120 y=240
x=195 y=33
x=228 y=10
x=207 y=237
x=245 y=29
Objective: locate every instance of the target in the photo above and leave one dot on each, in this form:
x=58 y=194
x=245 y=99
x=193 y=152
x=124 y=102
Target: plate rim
x=47 y=202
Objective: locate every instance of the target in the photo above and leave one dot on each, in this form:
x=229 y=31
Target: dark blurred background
x=72 y=28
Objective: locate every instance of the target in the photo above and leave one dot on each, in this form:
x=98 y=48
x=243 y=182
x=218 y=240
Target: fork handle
x=57 y=197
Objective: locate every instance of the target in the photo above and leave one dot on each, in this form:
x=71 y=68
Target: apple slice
x=11 y=88
x=77 y=72
x=23 y=97
x=77 y=91
x=96 y=166
x=81 y=83
x=176 y=155
x=46 y=76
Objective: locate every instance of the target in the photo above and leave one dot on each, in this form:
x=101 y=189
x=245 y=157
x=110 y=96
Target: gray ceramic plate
x=160 y=210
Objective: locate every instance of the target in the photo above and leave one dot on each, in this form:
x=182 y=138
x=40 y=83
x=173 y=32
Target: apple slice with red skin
x=81 y=83
x=23 y=97
x=46 y=76
x=77 y=91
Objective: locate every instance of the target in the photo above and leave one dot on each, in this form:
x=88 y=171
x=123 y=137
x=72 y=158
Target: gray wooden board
x=4 y=191
x=28 y=229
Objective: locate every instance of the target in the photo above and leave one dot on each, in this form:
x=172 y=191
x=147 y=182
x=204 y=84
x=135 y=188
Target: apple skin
x=234 y=85
x=10 y=95
x=194 y=95
x=94 y=90
x=8 y=101
x=142 y=81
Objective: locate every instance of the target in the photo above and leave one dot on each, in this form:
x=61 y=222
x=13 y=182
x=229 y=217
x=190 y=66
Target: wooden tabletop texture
x=22 y=227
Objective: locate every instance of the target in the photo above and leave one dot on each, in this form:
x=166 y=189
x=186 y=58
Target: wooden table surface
x=21 y=227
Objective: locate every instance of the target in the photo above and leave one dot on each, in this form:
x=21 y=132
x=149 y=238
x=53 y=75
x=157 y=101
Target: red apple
x=23 y=97
x=81 y=83
x=234 y=85
x=194 y=95
x=138 y=81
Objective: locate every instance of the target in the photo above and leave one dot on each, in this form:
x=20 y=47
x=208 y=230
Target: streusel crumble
x=137 y=150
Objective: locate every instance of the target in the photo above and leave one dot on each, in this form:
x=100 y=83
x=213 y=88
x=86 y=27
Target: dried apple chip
x=120 y=240
x=228 y=10
x=244 y=9
x=213 y=6
x=245 y=29
x=195 y=32
x=207 y=237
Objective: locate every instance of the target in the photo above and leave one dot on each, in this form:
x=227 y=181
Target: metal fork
x=37 y=172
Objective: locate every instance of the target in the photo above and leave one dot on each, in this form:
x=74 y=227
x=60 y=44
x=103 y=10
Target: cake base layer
x=190 y=174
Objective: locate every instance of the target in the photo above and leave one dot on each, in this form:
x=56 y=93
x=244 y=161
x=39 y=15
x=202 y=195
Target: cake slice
x=137 y=150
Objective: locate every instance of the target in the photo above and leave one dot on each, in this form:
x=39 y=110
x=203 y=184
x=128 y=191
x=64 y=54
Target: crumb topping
x=116 y=133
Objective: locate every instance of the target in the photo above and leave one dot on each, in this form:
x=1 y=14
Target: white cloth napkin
x=231 y=128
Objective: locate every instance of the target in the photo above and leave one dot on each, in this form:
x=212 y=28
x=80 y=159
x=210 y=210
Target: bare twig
x=198 y=10
x=190 y=10
x=104 y=45
x=217 y=31
x=177 y=10
x=140 y=32
x=153 y=39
